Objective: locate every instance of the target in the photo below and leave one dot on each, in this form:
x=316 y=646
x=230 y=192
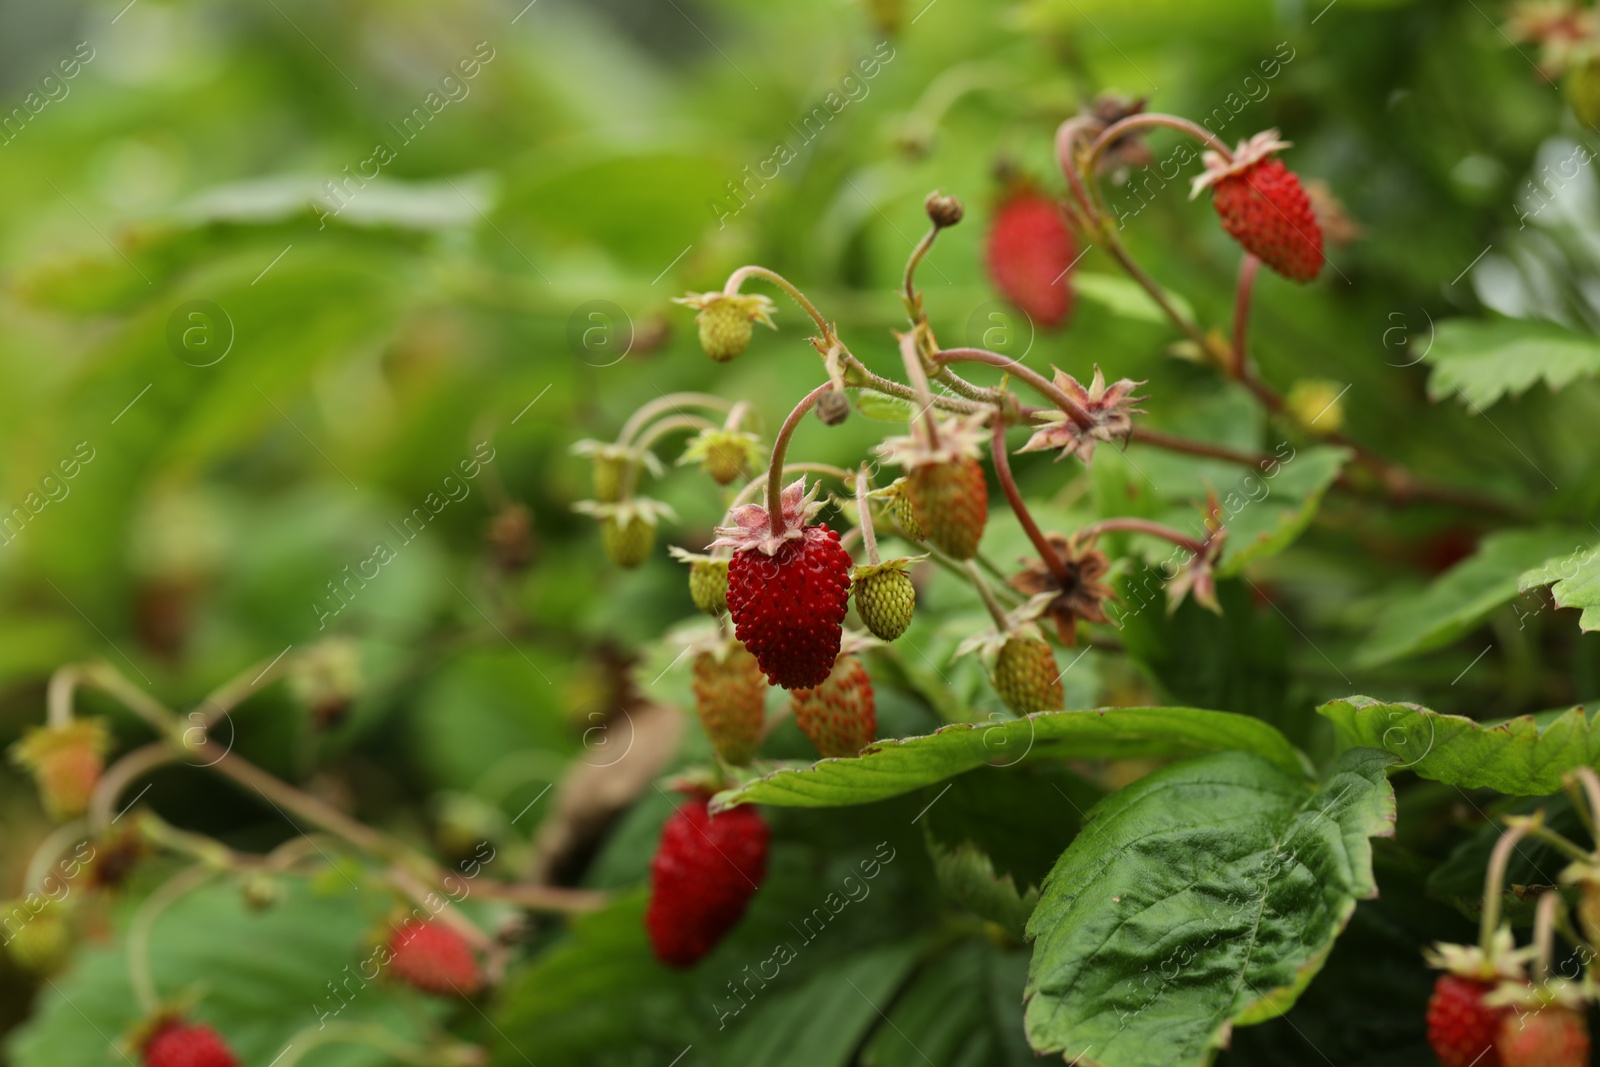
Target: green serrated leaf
x=1203 y=896
x=1574 y=581
x=1264 y=526
x=890 y=768
x=1481 y=361
x=1516 y=756
x=961 y=1009
x=968 y=877
x=1462 y=597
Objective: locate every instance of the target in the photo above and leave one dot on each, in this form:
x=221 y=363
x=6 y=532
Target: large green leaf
x=1265 y=516
x=1203 y=896
x=889 y=768
x=1460 y=598
x=1574 y=581
x=960 y=1010
x=1483 y=361
x=1518 y=756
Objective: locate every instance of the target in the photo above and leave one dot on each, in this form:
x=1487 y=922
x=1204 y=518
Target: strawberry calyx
x=1110 y=410
x=1251 y=151
x=1503 y=962
x=752 y=527
x=957 y=438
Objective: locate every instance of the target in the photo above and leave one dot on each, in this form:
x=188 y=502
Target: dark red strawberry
x=704 y=873
x=788 y=589
x=1264 y=207
x=1030 y=251
x=178 y=1044
x=434 y=958
x=1461 y=1028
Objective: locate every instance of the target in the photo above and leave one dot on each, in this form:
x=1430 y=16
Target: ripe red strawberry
x=1030 y=251
x=704 y=873
x=434 y=958
x=730 y=694
x=839 y=716
x=788 y=589
x=1264 y=207
x=1461 y=1028
x=1549 y=1036
x=178 y=1044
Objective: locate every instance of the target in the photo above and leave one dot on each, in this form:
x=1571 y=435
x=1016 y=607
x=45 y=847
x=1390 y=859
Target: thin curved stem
x=169 y=892
x=672 y=425
x=119 y=776
x=1189 y=446
x=59 y=699
x=1544 y=929
x=1008 y=485
x=736 y=279
x=1144 y=526
x=748 y=493
x=923 y=416
x=1494 y=881
x=1589 y=782
x=1037 y=381
x=551 y=898
x=869 y=537
x=780 y=446
x=232 y=693
x=285 y=796
x=50 y=849
x=663 y=404
x=913 y=301
x=1067 y=136
x=1149 y=119
x=996 y=612
x=1241 y=313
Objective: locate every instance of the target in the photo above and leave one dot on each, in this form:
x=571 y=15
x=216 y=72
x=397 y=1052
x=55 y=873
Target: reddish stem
x=1153 y=118
x=1008 y=484
x=1038 y=381
x=1067 y=135
x=1144 y=526
x=780 y=446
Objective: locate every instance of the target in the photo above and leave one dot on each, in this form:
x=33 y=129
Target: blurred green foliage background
x=502 y=288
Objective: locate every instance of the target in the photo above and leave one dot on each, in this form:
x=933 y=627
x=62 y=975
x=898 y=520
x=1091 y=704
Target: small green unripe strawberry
x=724 y=454
x=37 y=941
x=708 y=580
x=900 y=510
x=1026 y=676
x=628 y=529
x=1314 y=403
x=730 y=695
x=726 y=320
x=885 y=597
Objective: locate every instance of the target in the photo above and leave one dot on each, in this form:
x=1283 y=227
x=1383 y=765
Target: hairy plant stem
x=1584 y=781
x=1144 y=526
x=671 y=425
x=1147 y=120
x=1039 y=382
x=996 y=612
x=748 y=493
x=912 y=298
x=119 y=776
x=736 y=279
x=780 y=446
x=49 y=850
x=1544 y=928
x=869 y=537
x=1494 y=881
x=911 y=355
x=1008 y=485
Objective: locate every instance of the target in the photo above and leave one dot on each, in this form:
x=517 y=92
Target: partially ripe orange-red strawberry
x=1030 y=250
x=1550 y=1036
x=178 y=1044
x=66 y=762
x=839 y=716
x=788 y=589
x=730 y=695
x=1264 y=207
x=703 y=875
x=434 y=958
